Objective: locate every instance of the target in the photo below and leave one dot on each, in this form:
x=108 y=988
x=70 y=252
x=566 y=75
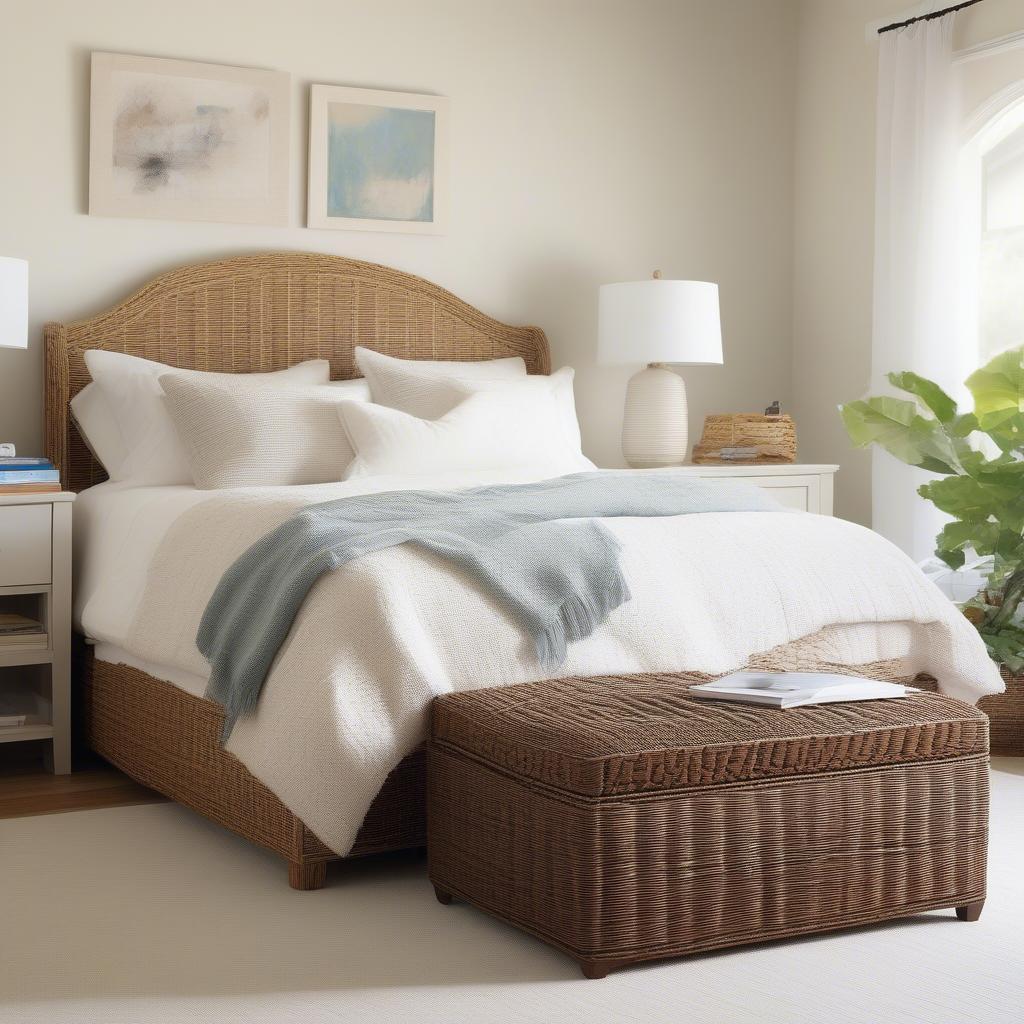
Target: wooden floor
x=26 y=788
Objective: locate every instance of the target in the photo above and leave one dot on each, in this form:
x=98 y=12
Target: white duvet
x=347 y=697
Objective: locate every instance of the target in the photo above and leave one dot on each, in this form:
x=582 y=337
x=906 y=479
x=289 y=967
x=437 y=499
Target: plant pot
x=1006 y=716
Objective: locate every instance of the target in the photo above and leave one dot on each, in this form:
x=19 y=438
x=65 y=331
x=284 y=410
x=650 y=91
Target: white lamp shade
x=659 y=321
x=13 y=303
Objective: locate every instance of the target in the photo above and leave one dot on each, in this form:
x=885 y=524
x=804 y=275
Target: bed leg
x=307 y=876
x=971 y=911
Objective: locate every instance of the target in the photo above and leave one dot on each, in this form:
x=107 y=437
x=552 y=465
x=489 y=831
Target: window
x=993 y=221
x=1001 y=264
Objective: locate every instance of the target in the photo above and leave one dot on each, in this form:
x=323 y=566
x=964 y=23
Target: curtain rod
x=928 y=17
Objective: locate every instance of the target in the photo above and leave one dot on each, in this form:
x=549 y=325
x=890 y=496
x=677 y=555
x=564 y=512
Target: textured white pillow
x=96 y=424
x=412 y=384
x=487 y=431
x=238 y=436
x=132 y=390
x=534 y=390
x=357 y=389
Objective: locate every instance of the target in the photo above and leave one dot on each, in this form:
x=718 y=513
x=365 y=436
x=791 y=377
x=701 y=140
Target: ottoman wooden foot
x=971 y=912
x=444 y=897
x=307 y=876
x=595 y=968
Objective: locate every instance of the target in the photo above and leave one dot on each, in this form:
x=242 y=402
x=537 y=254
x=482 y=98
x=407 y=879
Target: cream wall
x=834 y=212
x=592 y=141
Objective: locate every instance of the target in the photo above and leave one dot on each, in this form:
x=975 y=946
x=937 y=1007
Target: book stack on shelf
x=21 y=631
x=28 y=476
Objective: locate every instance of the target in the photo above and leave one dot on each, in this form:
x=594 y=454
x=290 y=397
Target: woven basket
x=774 y=436
x=1006 y=716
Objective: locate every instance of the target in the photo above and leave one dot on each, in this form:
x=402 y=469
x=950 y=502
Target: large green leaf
x=967 y=497
x=930 y=394
x=1005 y=427
x=962 y=426
x=999 y=385
x=898 y=427
x=951 y=541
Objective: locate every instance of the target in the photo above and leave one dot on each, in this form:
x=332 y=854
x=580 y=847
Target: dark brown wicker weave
x=253 y=313
x=621 y=820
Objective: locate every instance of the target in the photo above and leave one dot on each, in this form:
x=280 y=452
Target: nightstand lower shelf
x=12 y=657
x=33 y=729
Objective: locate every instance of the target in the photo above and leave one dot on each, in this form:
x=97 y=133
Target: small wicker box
x=773 y=436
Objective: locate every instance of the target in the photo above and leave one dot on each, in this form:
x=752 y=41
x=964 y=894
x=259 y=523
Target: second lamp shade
x=659 y=322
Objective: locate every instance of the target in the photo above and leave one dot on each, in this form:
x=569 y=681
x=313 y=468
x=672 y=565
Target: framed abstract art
x=377 y=160
x=173 y=139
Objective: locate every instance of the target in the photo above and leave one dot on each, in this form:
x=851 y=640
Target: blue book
x=17 y=462
x=29 y=476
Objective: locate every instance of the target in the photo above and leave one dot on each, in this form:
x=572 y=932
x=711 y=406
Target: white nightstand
x=35 y=579
x=802 y=486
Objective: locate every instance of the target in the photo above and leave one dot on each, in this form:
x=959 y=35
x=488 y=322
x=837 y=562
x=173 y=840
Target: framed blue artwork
x=377 y=160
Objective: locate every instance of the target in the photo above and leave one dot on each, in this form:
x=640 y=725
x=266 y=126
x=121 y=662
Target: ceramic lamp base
x=654 y=428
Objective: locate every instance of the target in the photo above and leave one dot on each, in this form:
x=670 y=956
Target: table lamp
x=13 y=303
x=657 y=322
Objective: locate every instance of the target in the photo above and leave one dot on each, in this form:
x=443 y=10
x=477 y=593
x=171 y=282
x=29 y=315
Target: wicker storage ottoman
x=621 y=820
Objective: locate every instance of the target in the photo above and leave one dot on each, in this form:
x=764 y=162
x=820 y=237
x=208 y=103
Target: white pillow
x=542 y=389
x=487 y=431
x=239 y=436
x=96 y=424
x=356 y=389
x=411 y=384
x=131 y=387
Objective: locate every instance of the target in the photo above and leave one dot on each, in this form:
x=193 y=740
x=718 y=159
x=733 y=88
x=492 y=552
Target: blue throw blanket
x=536 y=548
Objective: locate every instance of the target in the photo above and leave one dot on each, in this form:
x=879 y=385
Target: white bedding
x=377 y=639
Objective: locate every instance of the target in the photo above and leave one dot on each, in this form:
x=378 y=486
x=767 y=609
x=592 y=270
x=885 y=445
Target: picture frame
x=182 y=140
x=378 y=160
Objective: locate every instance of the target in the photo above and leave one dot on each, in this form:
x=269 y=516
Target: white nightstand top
x=759 y=469
x=37 y=499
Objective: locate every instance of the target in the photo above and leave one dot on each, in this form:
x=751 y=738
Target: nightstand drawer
x=25 y=532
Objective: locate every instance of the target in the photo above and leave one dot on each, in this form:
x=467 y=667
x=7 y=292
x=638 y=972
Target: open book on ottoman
x=796 y=689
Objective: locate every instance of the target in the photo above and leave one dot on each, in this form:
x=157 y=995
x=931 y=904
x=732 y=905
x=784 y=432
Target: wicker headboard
x=266 y=312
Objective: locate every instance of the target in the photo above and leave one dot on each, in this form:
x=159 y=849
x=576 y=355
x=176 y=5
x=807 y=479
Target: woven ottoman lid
x=611 y=735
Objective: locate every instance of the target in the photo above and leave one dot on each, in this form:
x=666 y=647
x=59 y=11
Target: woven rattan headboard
x=266 y=312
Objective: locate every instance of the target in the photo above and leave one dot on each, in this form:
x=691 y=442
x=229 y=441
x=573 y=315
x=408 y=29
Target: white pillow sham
x=534 y=392
x=489 y=430
x=411 y=385
x=133 y=393
x=91 y=413
x=238 y=436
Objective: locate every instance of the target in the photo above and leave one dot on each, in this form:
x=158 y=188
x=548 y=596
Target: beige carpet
x=150 y=914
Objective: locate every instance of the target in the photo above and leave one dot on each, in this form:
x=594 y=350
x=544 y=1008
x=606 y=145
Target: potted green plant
x=981 y=486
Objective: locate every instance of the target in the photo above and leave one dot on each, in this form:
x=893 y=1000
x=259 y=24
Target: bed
x=328 y=762
x=252 y=313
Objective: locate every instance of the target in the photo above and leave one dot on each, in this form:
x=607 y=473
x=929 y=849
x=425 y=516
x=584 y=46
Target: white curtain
x=915 y=287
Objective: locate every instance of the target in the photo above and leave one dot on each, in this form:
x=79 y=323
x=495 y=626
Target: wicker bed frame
x=240 y=315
